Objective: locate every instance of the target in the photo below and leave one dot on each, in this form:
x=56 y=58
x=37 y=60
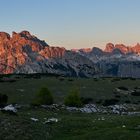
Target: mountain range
x=25 y=53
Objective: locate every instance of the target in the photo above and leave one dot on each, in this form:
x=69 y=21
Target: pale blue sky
x=74 y=23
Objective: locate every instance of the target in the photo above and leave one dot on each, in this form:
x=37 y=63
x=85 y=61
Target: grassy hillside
x=24 y=89
x=70 y=125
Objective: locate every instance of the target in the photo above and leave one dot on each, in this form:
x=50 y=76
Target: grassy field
x=24 y=90
x=70 y=126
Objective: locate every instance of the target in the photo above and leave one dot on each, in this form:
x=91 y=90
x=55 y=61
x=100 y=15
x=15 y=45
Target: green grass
x=100 y=89
x=71 y=126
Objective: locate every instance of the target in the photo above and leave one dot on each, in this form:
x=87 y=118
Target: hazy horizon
x=74 y=23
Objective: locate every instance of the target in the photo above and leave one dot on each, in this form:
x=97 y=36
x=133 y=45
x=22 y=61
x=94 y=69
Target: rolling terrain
x=107 y=79
x=21 y=90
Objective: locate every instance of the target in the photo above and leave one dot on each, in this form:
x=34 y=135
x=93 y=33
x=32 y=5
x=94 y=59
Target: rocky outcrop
x=123 y=48
x=116 y=60
x=109 y=47
x=52 y=52
x=25 y=53
x=136 y=48
x=23 y=48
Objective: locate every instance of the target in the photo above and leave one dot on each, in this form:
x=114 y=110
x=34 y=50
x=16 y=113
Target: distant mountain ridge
x=110 y=47
x=123 y=48
x=25 y=53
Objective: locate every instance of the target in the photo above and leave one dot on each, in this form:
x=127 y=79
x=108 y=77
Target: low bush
x=3 y=100
x=108 y=102
x=136 y=88
x=123 y=88
x=73 y=99
x=117 y=96
x=99 y=101
x=86 y=100
x=70 y=80
x=135 y=93
x=43 y=97
x=61 y=79
x=115 y=80
x=127 y=102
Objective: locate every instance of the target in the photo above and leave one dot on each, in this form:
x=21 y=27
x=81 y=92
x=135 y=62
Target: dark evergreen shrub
x=135 y=93
x=3 y=100
x=73 y=99
x=108 y=102
x=86 y=100
x=43 y=97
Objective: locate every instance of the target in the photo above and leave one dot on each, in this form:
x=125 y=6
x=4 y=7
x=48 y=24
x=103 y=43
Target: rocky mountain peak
x=122 y=48
x=4 y=36
x=86 y=50
x=136 y=48
x=22 y=49
x=109 y=47
x=14 y=33
x=116 y=51
x=97 y=51
x=138 y=44
x=25 y=33
x=25 y=53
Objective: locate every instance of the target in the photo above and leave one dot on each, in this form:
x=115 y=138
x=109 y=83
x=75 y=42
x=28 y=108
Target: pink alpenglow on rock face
x=109 y=47
x=25 y=53
x=123 y=48
x=22 y=48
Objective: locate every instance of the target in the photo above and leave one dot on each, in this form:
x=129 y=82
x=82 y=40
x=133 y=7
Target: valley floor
x=70 y=125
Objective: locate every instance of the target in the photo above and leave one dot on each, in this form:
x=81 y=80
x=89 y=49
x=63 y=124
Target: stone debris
x=10 y=108
x=20 y=90
x=17 y=106
x=122 y=109
x=134 y=113
x=51 y=120
x=123 y=126
x=121 y=91
x=137 y=127
x=89 y=108
x=71 y=109
x=34 y=119
x=118 y=109
x=51 y=107
x=102 y=118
